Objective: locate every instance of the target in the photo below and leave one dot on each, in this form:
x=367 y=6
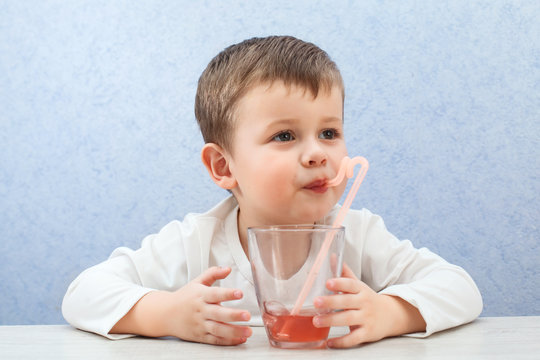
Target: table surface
x=485 y=338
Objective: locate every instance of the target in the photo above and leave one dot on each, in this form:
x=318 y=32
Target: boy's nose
x=314 y=157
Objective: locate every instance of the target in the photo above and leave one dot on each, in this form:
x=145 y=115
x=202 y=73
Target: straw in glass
x=346 y=168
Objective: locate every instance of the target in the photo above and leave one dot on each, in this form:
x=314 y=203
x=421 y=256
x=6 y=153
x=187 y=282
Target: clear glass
x=281 y=260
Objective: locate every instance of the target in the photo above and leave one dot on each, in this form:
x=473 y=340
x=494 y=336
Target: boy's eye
x=328 y=134
x=283 y=136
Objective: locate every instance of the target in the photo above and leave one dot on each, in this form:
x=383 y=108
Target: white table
x=486 y=338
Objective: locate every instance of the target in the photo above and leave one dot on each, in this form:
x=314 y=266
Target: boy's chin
x=313 y=217
x=307 y=214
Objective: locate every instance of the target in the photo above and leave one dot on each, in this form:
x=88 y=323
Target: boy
x=271 y=114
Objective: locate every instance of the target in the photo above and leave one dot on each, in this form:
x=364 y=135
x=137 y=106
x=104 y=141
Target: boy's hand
x=197 y=314
x=369 y=315
x=192 y=313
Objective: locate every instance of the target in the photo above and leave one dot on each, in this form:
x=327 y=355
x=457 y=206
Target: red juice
x=293 y=328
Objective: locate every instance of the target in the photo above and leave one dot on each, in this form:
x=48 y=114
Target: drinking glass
x=283 y=260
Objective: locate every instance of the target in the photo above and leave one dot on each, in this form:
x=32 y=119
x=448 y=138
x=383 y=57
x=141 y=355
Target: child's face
x=286 y=145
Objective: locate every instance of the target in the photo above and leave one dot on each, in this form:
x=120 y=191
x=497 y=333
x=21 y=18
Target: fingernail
x=330 y=343
x=330 y=284
x=246 y=316
x=318 y=302
x=237 y=294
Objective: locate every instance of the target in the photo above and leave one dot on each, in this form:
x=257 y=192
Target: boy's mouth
x=318 y=186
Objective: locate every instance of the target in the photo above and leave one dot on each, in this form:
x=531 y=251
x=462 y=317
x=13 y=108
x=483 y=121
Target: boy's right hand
x=196 y=313
x=192 y=313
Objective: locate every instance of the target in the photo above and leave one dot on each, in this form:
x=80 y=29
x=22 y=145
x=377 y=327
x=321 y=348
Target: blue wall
x=99 y=144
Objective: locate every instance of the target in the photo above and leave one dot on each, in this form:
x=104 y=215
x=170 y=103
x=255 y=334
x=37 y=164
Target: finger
x=340 y=318
x=211 y=275
x=348 y=273
x=338 y=302
x=215 y=295
x=227 y=331
x=346 y=285
x=216 y=340
x=334 y=264
x=224 y=314
x=356 y=337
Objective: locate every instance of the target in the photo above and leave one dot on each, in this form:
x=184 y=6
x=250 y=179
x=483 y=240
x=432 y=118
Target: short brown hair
x=235 y=70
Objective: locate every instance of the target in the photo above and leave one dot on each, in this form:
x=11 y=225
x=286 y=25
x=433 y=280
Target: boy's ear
x=215 y=158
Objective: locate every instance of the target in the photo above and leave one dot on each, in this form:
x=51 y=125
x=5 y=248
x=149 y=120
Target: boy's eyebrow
x=332 y=119
x=279 y=123
x=289 y=121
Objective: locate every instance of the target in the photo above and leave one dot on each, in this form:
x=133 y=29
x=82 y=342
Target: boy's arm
x=406 y=317
x=416 y=281
x=369 y=315
x=191 y=313
x=104 y=293
x=100 y=297
x=101 y=301
x=444 y=293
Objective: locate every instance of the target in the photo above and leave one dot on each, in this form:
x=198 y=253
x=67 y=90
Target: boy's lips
x=318 y=186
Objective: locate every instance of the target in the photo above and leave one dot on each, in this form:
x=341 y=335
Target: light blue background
x=99 y=144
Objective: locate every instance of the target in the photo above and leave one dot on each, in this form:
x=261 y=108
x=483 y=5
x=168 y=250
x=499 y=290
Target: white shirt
x=99 y=297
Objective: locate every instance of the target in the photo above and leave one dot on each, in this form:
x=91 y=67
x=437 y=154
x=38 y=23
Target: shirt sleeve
x=101 y=295
x=445 y=294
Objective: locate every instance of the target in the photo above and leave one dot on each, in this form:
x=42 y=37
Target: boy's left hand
x=369 y=315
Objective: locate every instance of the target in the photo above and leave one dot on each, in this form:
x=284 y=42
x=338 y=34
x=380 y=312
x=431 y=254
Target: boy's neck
x=242 y=233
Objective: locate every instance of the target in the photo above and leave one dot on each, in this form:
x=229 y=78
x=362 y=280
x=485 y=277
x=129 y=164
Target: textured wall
x=99 y=144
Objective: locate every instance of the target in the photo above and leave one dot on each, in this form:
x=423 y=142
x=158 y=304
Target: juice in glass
x=294 y=329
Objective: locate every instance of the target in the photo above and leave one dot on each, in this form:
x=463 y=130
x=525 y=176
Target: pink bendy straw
x=346 y=168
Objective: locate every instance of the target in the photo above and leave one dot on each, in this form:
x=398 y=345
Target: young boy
x=271 y=114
